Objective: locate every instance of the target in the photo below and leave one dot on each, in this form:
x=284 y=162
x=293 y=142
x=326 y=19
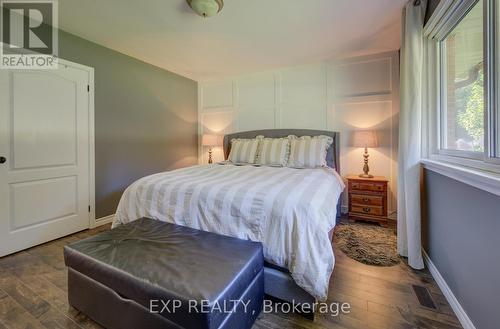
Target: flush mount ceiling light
x=206 y=8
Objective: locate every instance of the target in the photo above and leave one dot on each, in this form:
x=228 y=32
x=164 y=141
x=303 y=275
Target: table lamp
x=210 y=141
x=366 y=139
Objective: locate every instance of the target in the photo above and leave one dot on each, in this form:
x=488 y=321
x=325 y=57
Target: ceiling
x=247 y=36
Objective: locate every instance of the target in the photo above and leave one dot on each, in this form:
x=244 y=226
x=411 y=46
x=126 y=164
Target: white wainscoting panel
x=257 y=102
x=363 y=78
x=304 y=97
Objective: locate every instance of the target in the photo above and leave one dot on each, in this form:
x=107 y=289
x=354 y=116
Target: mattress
x=289 y=210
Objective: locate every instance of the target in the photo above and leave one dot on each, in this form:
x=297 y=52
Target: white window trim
x=483 y=180
x=472 y=164
x=472 y=168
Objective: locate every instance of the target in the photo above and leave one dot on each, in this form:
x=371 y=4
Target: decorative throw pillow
x=243 y=150
x=308 y=152
x=273 y=151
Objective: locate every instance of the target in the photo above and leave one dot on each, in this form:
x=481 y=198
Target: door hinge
x=88 y=88
x=89 y=208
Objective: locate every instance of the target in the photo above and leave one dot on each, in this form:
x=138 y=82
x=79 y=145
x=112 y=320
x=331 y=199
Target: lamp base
x=366 y=168
x=210 y=156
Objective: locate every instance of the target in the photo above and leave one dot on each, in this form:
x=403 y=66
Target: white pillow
x=273 y=151
x=243 y=150
x=308 y=152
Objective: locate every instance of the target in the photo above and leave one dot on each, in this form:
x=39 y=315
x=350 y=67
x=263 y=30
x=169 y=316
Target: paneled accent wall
x=355 y=93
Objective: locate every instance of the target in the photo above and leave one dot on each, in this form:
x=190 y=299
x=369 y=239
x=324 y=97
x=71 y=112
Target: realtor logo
x=28 y=34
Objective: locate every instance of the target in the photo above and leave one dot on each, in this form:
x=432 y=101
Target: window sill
x=483 y=180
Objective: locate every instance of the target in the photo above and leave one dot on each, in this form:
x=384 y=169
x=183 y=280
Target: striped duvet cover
x=289 y=210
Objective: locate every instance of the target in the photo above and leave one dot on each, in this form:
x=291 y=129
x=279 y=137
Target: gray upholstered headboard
x=332 y=156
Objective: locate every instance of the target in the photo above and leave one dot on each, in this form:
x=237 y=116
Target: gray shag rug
x=367 y=243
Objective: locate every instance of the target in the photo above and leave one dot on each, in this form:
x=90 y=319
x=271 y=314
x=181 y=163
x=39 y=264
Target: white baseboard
x=450 y=297
x=103 y=220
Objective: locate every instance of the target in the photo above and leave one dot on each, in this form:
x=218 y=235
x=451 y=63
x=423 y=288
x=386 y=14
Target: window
x=495 y=114
x=462 y=78
x=465 y=50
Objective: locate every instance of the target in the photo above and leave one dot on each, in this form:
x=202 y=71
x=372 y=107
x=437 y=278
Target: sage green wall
x=145 y=118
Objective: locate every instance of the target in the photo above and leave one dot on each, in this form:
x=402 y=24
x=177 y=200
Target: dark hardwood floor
x=33 y=287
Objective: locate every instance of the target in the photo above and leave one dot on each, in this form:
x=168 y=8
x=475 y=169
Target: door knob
x=3 y=159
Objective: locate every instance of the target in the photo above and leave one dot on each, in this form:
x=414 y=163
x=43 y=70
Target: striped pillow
x=243 y=150
x=308 y=152
x=273 y=151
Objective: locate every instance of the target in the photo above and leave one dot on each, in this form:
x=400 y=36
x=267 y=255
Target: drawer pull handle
x=366 y=200
x=367 y=209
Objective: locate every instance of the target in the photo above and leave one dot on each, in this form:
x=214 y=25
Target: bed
x=291 y=211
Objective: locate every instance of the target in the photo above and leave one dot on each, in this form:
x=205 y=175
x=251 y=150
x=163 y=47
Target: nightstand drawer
x=367 y=186
x=370 y=200
x=367 y=210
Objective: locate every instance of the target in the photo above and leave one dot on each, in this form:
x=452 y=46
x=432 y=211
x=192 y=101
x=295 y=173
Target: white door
x=44 y=155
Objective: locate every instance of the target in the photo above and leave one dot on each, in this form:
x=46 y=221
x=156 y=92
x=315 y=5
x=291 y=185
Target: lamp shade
x=365 y=138
x=211 y=140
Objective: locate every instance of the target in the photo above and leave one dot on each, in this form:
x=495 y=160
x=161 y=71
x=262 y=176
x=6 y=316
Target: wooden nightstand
x=368 y=199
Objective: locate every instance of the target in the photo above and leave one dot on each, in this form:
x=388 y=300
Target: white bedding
x=289 y=210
